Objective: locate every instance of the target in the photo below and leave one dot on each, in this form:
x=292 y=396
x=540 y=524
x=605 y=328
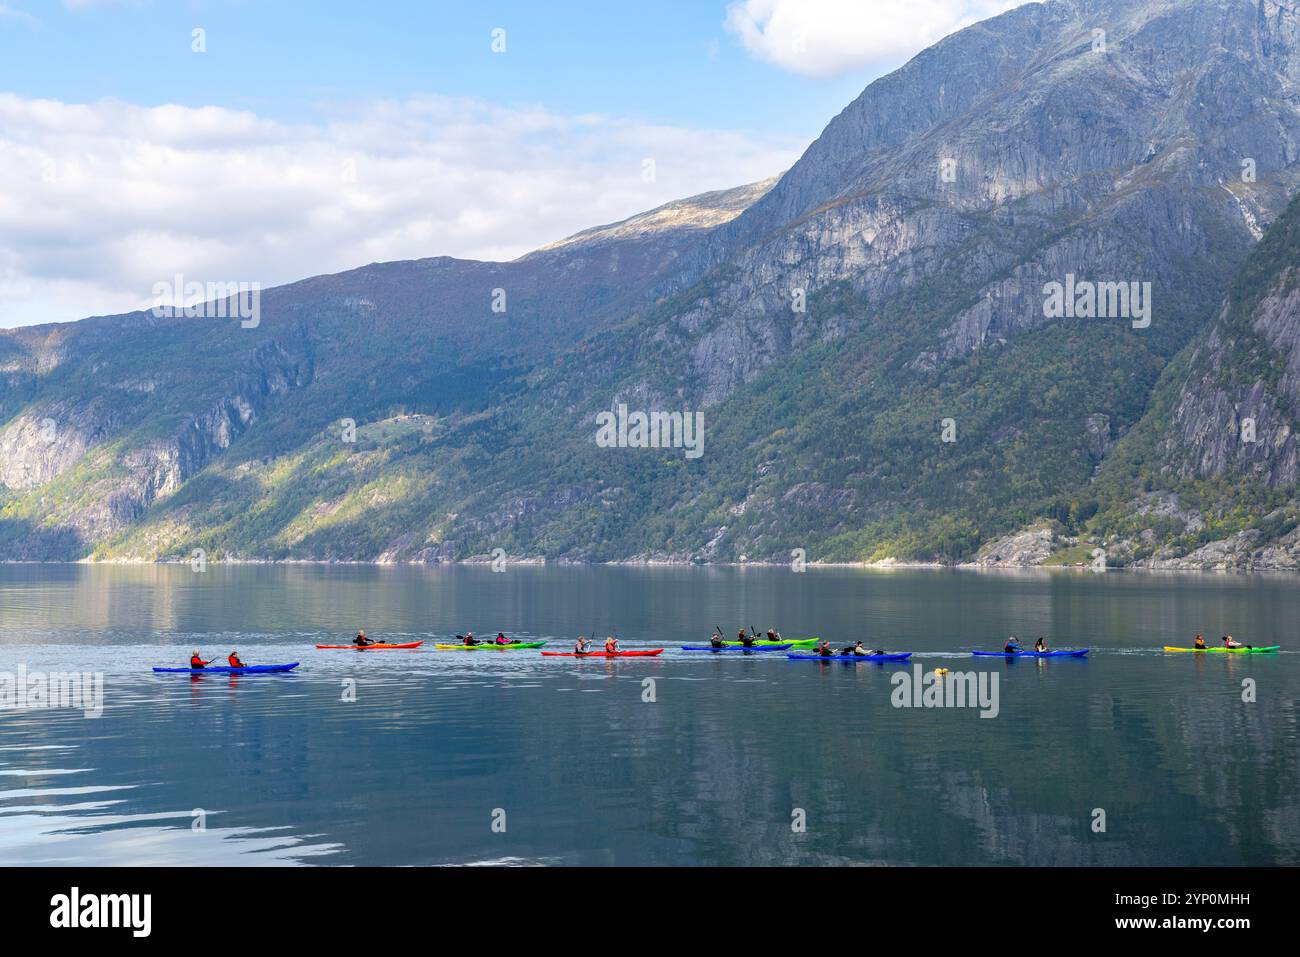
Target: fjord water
x=581 y=769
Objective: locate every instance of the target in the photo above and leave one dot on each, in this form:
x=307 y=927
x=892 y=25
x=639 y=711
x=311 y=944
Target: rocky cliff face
x=1107 y=140
x=1224 y=428
x=1238 y=407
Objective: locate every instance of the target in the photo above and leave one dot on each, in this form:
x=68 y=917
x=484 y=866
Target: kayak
x=1030 y=654
x=510 y=647
x=768 y=642
x=246 y=670
x=602 y=654
x=784 y=647
x=1228 y=651
x=379 y=646
x=903 y=656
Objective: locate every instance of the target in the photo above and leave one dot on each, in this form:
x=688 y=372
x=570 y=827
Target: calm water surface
x=439 y=745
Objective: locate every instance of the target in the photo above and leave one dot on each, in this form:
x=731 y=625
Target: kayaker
x=1040 y=645
x=198 y=662
x=581 y=645
x=502 y=639
x=611 y=645
x=825 y=649
x=715 y=641
x=234 y=660
x=1230 y=642
x=1199 y=643
x=773 y=635
x=361 y=638
x=855 y=649
x=1012 y=647
x=471 y=640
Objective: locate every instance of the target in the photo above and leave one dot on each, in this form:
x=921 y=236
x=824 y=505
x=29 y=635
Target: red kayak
x=375 y=647
x=603 y=654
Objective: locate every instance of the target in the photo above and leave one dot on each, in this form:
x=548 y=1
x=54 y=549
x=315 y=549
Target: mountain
x=869 y=343
x=1214 y=463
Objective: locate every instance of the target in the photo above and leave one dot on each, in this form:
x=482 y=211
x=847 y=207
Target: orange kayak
x=375 y=647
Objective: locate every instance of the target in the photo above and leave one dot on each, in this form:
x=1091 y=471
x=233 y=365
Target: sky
x=270 y=140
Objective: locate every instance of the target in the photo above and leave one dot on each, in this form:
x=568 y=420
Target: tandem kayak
x=1030 y=654
x=784 y=647
x=903 y=656
x=603 y=654
x=510 y=647
x=246 y=670
x=379 y=646
x=1228 y=651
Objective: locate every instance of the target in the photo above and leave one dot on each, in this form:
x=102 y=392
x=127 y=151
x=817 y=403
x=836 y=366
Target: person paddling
x=825 y=650
x=1012 y=647
x=361 y=640
x=581 y=646
x=715 y=641
x=611 y=645
x=746 y=640
x=234 y=660
x=773 y=635
x=1199 y=643
x=854 y=649
x=1040 y=645
x=197 y=662
x=470 y=640
x=502 y=639
x=1230 y=642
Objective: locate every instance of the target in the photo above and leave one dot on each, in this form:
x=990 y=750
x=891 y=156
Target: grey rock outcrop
x=1026 y=548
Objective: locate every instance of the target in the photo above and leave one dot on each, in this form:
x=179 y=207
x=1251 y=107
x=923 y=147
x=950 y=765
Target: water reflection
x=710 y=770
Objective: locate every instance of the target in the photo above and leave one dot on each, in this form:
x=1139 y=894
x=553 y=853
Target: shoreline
x=883 y=566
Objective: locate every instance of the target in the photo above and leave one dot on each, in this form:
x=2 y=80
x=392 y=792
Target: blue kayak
x=1030 y=654
x=899 y=657
x=247 y=670
x=721 y=650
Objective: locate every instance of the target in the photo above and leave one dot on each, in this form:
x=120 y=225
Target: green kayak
x=513 y=646
x=764 y=642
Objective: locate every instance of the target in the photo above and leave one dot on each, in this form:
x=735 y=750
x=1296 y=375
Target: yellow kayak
x=1230 y=651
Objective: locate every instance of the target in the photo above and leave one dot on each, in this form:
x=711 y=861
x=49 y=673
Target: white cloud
x=98 y=202
x=13 y=13
x=824 y=38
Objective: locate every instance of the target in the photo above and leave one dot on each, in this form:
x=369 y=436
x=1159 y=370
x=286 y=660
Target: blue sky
x=311 y=137
x=665 y=61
